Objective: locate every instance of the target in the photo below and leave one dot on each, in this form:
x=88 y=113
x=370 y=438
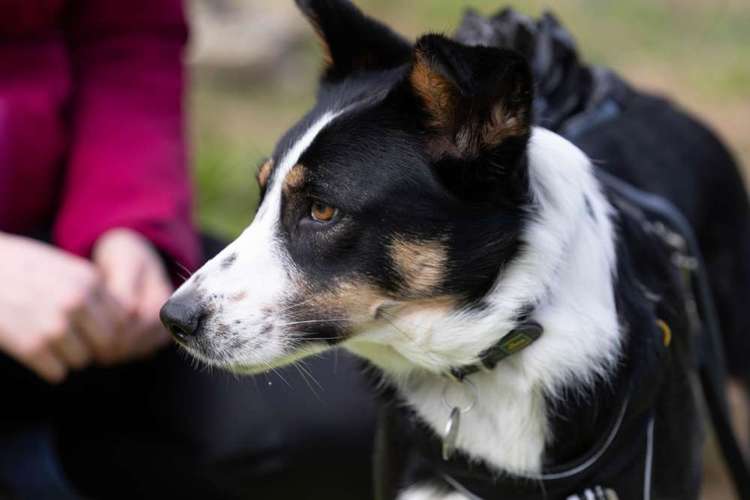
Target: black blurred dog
x=527 y=325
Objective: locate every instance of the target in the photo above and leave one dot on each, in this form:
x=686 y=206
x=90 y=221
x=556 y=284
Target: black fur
x=355 y=43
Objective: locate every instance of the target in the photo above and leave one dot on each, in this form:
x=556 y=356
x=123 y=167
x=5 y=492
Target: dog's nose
x=183 y=316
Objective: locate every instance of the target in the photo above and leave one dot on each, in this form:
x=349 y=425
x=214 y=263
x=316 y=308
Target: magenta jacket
x=91 y=122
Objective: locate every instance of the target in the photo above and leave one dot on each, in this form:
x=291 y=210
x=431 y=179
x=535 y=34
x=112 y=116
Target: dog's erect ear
x=353 y=42
x=475 y=98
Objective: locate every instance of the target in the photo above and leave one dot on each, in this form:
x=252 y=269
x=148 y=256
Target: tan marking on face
x=421 y=265
x=444 y=305
x=264 y=172
x=354 y=299
x=349 y=303
x=356 y=303
x=295 y=179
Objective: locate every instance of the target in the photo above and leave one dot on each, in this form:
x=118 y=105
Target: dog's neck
x=566 y=272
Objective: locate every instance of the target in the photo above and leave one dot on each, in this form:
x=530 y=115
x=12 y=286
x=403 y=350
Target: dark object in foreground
x=162 y=429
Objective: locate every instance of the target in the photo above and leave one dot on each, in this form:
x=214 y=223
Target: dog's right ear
x=352 y=41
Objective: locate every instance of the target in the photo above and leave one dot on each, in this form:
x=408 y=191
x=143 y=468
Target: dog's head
x=393 y=204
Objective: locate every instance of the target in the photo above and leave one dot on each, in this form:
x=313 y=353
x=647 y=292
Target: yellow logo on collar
x=666 y=332
x=516 y=342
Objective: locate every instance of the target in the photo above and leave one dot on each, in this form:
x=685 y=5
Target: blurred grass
x=233 y=130
x=697 y=51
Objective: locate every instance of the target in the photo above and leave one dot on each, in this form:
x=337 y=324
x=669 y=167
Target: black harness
x=619 y=464
x=676 y=233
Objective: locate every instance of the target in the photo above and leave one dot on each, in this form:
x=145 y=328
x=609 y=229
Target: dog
x=528 y=328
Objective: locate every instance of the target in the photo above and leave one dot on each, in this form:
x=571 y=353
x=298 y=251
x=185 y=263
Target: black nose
x=183 y=316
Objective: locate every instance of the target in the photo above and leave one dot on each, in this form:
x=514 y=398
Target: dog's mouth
x=252 y=356
x=282 y=361
x=219 y=336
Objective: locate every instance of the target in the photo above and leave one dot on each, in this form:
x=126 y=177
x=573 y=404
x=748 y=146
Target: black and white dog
x=517 y=311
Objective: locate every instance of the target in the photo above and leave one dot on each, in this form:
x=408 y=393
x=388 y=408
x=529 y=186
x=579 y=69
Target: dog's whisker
x=183 y=268
x=307 y=382
x=305 y=369
x=277 y=372
x=312 y=321
x=271 y=369
x=295 y=305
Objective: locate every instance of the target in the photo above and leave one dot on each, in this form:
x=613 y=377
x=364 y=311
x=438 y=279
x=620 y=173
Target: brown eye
x=320 y=212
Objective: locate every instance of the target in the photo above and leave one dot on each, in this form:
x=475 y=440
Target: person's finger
x=150 y=341
x=124 y=284
x=97 y=322
x=151 y=334
x=48 y=366
x=72 y=350
x=155 y=291
x=141 y=338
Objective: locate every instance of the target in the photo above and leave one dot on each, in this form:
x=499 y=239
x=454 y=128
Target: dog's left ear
x=353 y=42
x=475 y=99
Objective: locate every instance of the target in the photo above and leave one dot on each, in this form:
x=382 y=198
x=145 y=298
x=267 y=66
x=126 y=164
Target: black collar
x=517 y=340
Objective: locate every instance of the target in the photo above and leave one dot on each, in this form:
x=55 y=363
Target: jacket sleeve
x=127 y=163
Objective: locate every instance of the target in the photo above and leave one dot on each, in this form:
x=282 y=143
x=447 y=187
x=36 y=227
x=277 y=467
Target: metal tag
x=451 y=433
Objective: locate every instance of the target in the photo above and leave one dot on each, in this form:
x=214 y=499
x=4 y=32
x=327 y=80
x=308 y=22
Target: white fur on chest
x=506 y=427
x=566 y=271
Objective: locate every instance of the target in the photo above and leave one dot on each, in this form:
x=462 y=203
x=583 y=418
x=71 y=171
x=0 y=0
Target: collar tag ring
x=470 y=399
x=450 y=435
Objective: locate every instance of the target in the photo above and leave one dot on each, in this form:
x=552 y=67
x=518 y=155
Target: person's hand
x=135 y=276
x=55 y=315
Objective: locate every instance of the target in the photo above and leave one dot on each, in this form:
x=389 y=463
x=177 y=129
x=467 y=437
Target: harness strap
x=672 y=228
x=711 y=360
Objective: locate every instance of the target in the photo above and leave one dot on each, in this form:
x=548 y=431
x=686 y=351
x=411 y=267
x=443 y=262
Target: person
x=91 y=147
x=95 y=226
x=94 y=191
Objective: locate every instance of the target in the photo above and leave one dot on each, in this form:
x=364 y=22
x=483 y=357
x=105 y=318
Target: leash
x=672 y=227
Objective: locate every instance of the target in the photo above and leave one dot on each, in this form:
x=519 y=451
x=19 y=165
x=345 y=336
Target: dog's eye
x=320 y=212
